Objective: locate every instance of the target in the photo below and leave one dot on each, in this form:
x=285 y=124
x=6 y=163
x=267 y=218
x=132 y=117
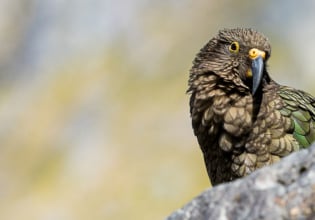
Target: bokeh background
x=94 y=119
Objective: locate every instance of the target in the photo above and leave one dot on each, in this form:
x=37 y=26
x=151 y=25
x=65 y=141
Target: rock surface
x=285 y=190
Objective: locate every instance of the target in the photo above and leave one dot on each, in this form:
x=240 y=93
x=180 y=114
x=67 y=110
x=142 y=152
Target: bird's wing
x=300 y=107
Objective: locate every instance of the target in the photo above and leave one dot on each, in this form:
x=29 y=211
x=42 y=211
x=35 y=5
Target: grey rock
x=285 y=190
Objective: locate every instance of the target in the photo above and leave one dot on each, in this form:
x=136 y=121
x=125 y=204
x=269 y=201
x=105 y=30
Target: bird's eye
x=234 y=47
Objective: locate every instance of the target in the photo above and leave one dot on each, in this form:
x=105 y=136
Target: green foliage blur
x=94 y=119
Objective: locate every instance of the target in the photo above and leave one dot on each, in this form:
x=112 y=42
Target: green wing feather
x=300 y=107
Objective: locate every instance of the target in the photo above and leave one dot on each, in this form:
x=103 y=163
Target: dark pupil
x=233 y=46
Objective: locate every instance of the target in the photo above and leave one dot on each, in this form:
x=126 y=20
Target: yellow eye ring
x=234 y=47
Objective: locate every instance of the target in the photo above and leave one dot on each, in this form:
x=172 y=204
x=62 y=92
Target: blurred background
x=94 y=119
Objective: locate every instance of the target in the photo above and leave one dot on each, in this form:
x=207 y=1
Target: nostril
x=254 y=53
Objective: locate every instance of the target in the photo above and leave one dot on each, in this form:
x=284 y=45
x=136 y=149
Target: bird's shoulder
x=300 y=107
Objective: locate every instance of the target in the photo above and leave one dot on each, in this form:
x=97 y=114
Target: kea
x=242 y=118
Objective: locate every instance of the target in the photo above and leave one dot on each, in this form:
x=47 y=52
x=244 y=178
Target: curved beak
x=257 y=67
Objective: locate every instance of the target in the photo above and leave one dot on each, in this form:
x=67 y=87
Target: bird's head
x=237 y=57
